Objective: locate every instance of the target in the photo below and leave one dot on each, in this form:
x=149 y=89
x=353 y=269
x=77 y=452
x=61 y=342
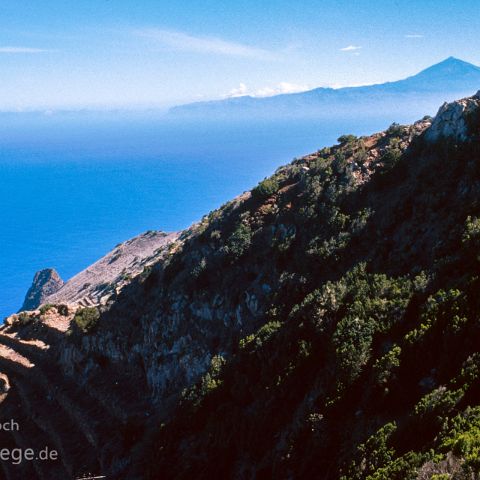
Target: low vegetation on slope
x=324 y=325
x=366 y=364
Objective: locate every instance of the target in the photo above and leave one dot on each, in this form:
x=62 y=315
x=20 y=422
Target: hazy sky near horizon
x=130 y=53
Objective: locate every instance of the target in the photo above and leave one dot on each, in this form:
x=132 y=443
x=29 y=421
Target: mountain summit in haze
x=451 y=68
x=401 y=100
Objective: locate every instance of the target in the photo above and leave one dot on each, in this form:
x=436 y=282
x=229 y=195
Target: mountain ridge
x=444 y=81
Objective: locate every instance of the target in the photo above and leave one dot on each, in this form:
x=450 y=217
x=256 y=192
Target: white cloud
x=283 y=87
x=350 y=48
x=207 y=45
x=414 y=35
x=240 y=91
x=9 y=49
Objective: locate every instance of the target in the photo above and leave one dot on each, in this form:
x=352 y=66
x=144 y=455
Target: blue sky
x=126 y=53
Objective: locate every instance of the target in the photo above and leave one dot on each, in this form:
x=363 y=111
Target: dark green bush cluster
x=461 y=435
x=375 y=453
x=261 y=336
x=266 y=188
x=385 y=366
x=45 y=308
x=344 y=139
x=374 y=305
x=239 y=241
x=391 y=157
x=395 y=130
x=471 y=234
x=208 y=383
x=62 y=309
x=199 y=268
x=86 y=319
x=24 y=318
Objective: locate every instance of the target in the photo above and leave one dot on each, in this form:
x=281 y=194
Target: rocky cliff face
x=326 y=321
x=45 y=283
x=454 y=121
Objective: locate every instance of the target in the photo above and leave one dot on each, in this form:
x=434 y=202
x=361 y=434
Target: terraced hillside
x=101 y=281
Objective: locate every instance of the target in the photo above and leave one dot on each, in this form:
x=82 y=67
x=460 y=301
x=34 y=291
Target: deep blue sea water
x=74 y=186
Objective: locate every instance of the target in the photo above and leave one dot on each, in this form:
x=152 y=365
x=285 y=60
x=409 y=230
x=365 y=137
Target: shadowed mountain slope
x=323 y=325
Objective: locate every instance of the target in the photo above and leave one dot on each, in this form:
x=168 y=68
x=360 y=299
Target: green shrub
x=86 y=319
x=384 y=366
x=239 y=241
x=344 y=139
x=391 y=157
x=331 y=247
x=24 y=318
x=339 y=163
x=439 y=402
x=263 y=334
x=199 y=268
x=45 y=308
x=401 y=468
x=207 y=384
x=395 y=129
x=471 y=234
x=62 y=310
x=352 y=340
x=461 y=435
x=376 y=452
x=266 y=188
x=441 y=308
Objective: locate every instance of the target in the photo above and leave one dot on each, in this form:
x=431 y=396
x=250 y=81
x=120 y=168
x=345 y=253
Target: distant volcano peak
x=450 y=65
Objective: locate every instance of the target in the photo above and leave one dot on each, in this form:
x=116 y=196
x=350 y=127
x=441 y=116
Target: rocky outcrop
x=45 y=283
x=454 y=120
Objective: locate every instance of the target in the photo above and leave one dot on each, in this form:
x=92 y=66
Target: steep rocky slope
x=323 y=325
x=103 y=280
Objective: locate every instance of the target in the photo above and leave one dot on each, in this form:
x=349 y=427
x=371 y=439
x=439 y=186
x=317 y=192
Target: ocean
x=75 y=185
